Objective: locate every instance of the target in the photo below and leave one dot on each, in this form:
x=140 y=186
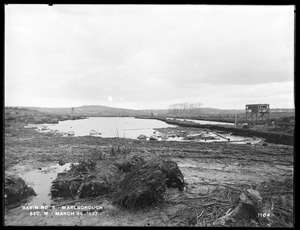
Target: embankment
x=271 y=137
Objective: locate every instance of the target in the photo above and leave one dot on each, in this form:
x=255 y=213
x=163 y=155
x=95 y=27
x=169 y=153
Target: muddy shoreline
x=276 y=138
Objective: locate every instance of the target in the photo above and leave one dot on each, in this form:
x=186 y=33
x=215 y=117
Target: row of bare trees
x=185 y=107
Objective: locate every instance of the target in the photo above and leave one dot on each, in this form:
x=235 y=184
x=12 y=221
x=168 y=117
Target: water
x=207 y=122
x=40 y=181
x=127 y=127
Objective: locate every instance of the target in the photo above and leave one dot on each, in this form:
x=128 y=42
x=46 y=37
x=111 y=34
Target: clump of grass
x=96 y=154
x=120 y=150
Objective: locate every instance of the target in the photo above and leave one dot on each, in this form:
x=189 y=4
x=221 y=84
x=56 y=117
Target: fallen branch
x=198 y=216
x=223 y=219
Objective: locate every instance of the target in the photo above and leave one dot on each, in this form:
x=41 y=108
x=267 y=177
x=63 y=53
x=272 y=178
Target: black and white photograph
x=166 y=115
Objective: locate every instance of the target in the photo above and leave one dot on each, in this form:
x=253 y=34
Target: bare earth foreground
x=215 y=174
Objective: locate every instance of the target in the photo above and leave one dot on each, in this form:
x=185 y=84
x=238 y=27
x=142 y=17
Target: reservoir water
x=130 y=127
x=127 y=127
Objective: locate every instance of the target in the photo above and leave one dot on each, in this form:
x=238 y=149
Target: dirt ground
x=207 y=168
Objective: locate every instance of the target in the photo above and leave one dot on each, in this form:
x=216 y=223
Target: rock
x=71 y=133
x=153 y=138
x=61 y=162
x=142 y=137
x=93 y=132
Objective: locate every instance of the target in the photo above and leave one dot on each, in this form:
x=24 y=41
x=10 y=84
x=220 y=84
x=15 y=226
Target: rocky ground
x=216 y=175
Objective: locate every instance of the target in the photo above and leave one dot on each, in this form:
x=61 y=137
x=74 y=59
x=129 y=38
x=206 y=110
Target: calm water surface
x=127 y=127
x=207 y=122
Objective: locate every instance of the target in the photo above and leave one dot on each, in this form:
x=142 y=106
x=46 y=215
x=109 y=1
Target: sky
x=149 y=56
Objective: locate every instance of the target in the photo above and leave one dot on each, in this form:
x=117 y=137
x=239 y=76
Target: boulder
x=71 y=133
x=94 y=132
x=61 y=162
x=153 y=138
x=142 y=137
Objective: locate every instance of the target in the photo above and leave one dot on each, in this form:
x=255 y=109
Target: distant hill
x=89 y=110
x=99 y=110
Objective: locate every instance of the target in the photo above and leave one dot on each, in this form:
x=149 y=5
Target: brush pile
x=174 y=177
x=127 y=164
x=143 y=186
x=279 y=195
x=16 y=190
x=146 y=183
x=269 y=204
x=87 y=179
x=130 y=180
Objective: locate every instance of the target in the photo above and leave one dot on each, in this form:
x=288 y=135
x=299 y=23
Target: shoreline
x=271 y=137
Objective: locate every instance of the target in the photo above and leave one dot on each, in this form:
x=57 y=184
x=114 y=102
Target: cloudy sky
x=149 y=56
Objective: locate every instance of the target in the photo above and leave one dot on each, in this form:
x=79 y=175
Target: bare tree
x=188 y=108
